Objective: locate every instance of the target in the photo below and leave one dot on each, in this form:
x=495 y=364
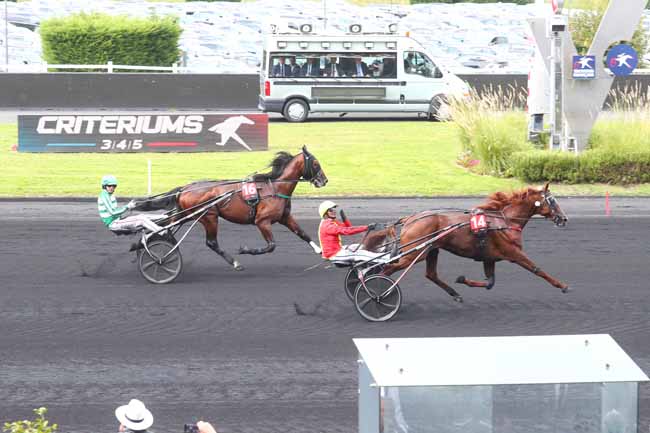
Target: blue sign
x=622 y=59
x=584 y=67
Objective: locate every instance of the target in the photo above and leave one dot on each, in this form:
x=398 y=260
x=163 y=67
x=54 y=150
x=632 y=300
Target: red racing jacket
x=329 y=235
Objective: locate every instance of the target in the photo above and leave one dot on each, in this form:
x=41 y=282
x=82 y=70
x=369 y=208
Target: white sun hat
x=134 y=416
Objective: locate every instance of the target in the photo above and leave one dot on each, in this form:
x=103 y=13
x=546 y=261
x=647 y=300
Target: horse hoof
x=461 y=279
x=243 y=250
x=566 y=289
x=458 y=299
x=237 y=266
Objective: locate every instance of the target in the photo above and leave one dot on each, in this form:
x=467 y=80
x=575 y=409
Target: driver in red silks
x=330 y=232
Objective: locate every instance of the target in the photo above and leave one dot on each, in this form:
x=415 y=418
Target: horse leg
x=290 y=223
x=432 y=274
x=520 y=258
x=211 y=229
x=264 y=228
x=488 y=268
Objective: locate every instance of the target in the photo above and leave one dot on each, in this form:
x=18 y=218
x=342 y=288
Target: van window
x=419 y=63
x=344 y=65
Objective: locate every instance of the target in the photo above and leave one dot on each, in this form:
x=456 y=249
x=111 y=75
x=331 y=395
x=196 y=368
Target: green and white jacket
x=107 y=206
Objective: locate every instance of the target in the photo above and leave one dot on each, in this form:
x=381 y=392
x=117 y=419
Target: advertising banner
x=128 y=132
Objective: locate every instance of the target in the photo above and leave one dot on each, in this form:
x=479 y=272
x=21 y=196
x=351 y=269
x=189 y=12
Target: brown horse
x=272 y=205
x=506 y=216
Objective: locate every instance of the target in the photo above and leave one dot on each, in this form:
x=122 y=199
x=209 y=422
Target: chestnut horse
x=273 y=204
x=506 y=216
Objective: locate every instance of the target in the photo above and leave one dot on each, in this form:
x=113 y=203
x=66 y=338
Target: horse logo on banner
x=228 y=129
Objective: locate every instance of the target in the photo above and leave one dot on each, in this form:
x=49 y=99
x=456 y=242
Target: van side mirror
x=437 y=73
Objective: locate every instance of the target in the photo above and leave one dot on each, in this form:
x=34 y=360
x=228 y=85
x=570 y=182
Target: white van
x=304 y=72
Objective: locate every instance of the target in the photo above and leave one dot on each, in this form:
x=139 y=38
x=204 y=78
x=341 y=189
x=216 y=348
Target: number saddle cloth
x=251 y=196
x=479 y=225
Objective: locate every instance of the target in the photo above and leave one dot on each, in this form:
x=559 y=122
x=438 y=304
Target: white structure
x=353 y=72
x=497 y=384
x=573 y=105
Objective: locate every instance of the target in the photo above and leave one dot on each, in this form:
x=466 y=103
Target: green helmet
x=109 y=179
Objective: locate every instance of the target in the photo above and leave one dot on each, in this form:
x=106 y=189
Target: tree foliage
x=584 y=24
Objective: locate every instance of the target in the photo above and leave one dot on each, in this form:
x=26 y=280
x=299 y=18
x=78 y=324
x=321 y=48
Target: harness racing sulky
x=261 y=199
x=489 y=233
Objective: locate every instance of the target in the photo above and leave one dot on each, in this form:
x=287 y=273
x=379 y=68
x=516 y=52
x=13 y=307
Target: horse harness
x=250 y=189
x=250 y=193
x=480 y=223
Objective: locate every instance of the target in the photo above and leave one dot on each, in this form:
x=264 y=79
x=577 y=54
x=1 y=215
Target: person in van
x=376 y=68
x=281 y=69
x=409 y=63
x=311 y=68
x=332 y=69
x=388 y=70
x=294 y=68
x=359 y=68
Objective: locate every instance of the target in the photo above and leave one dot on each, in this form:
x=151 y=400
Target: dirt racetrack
x=81 y=332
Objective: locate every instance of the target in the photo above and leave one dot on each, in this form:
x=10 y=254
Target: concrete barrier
x=80 y=91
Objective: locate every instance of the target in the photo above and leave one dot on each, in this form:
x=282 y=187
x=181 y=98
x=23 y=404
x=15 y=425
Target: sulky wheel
x=160 y=268
x=352 y=280
x=379 y=300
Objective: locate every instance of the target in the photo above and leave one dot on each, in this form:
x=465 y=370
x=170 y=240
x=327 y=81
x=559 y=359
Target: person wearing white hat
x=330 y=231
x=134 y=417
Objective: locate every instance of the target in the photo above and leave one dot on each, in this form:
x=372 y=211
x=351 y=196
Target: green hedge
x=97 y=38
x=592 y=166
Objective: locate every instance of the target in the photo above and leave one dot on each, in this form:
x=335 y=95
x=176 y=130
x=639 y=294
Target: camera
x=191 y=428
x=558 y=23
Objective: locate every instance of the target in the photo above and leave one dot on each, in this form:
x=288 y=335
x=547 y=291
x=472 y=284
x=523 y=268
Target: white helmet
x=325 y=206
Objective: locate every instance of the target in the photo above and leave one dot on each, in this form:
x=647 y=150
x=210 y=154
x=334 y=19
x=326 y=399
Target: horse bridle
x=547 y=197
x=308 y=170
x=558 y=219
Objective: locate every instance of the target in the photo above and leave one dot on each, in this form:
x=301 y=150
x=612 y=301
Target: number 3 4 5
x=121 y=144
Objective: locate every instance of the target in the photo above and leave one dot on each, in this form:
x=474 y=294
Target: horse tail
x=165 y=201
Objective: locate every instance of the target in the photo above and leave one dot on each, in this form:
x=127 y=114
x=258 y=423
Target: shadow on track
x=102 y=269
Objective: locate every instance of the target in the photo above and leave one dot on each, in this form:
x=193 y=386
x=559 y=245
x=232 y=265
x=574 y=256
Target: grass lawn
x=409 y=158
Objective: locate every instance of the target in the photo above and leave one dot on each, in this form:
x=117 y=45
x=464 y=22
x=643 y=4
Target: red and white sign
x=249 y=191
x=477 y=223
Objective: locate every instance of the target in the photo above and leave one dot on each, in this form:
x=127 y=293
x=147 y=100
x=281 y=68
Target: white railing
x=108 y=67
x=111 y=68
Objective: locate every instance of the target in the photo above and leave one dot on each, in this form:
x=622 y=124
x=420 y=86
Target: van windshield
x=337 y=65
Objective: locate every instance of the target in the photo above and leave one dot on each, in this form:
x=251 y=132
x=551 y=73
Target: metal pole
x=557 y=89
x=325 y=14
x=6 y=36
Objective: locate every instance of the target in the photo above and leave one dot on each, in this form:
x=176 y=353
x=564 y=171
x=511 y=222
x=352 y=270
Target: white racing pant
x=135 y=222
x=356 y=253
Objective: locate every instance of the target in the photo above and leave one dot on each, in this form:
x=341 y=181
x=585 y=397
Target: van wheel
x=439 y=110
x=296 y=110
